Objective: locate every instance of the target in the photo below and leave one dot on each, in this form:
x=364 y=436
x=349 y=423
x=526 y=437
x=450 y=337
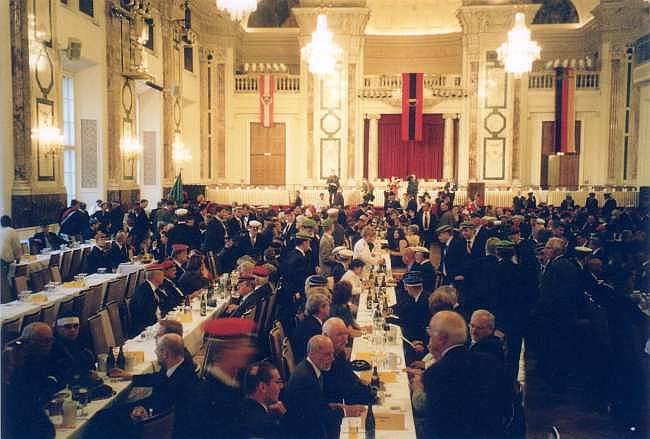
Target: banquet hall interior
x=325 y=218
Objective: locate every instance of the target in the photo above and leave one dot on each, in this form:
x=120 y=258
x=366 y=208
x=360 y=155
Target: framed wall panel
x=494 y=158
x=46 y=163
x=330 y=157
x=89 y=172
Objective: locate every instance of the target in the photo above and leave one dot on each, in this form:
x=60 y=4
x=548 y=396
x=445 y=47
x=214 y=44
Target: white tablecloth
x=16 y=308
x=130 y=267
x=40 y=261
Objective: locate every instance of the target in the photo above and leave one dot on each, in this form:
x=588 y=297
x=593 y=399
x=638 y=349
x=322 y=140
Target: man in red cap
x=173 y=295
x=232 y=347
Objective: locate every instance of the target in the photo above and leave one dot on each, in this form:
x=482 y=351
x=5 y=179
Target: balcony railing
x=389 y=86
x=585 y=80
x=283 y=83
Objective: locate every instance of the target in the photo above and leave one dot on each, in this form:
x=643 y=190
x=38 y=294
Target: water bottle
x=370 y=423
x=121 y=359
x=110 y=361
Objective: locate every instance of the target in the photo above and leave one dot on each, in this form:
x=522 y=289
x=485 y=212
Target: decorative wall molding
x=89 y=157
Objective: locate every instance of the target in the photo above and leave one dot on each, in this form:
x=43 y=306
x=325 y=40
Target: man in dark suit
x=289 y=227
x=215 y=234
x=145 y=305
x=253 y=243
x=591 y=204
x=467 y=393
x=182 y=232
x=119 y=252
x=481 y=330
x=608 y=205
x=317 y=310
x=424 y=266
x=309 y=415
x=69 y=356
x=426 y=222
x=170 y=295
x=294 y=270
x=99 y=256
x=484 y=231
x=219 y=400
x=481 y=283
x=531 y=201
x=71 y=221
x=340 y=382
x=45 y=239
x=179 y=257
x=413 y=313
x=454 y=254
x=518 y=202
x=262 y=410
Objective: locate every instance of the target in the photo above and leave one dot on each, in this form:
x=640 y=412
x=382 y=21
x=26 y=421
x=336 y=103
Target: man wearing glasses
x=70 y=359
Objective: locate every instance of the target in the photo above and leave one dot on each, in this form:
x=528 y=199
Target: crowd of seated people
x=558 y=282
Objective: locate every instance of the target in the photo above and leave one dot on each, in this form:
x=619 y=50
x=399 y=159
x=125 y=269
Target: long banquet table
x=18 y=309
x=41 y=260
x=396 y=402
x=145 y=343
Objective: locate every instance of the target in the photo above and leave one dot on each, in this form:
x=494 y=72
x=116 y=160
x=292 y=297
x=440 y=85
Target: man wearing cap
x=68 y=357
x=454 y=254
x=289 y=227
x=145 y=305
x=531 y=201
x=171 y=296
x=423 y=265
x=325 y=256
x=215 y=233
x=413 y=313
x=249 y=297
x=295 y=267
x=467 y=230
x=220 y=398
x=181 y=233
x=253 y=243
x=338 y=232
x=99 y=256
x=342 y=258
x=484 y=231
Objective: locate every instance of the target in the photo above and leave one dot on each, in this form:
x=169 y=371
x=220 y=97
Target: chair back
x=38 y=280
x=34 y=316
x=131 y=280
x=10 y=330
x=75 y=264
x=67 y=306
x=212 y=264
x=140 y=277
x=84 y=259
x=115 y=290
x=79 y=302
x=269 y=313
x=55 y=259
x=160 y=426
x=55 y=273
x=275 y=346
x=288 y=360
x=92 y=304
x=113 y=309
x=20 y=284
x=210 y=344
x=101 y=332
x=66 y=263
x=48 y=314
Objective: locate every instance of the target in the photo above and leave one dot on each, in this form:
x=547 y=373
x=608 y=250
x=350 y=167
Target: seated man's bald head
x=446 y=329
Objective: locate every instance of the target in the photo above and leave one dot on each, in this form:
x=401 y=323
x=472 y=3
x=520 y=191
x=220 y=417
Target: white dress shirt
x=355 y=281
x=363 y=253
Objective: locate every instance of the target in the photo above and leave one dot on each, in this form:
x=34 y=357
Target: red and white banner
x=565 y=116
x=266 y=89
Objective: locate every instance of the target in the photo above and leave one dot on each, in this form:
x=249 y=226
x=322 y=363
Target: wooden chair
x=30 y=318
x=84 y=259
x=116 y=290
x=20 y=284
x=48 y=314
x=10 y=330
x=75 y=264
x=270 y=313
x=66 y=306
x=210 y=344
x=113 y=309
x=92 y=304
x=101 y=332
x=131 y=280
x=66 y=263
x=79 y=302
x=276 y=335
x=55 y=273
x=160 y=426
x=288 y=360
x=55 y=260
x=36 y=280
x=140 y=277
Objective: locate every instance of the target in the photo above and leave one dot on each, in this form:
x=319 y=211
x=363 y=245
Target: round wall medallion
x=495 y=123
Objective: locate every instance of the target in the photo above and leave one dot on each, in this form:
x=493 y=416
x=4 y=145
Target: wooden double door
x=268 y=148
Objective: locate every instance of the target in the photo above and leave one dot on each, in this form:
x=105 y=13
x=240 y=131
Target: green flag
x=176 y=194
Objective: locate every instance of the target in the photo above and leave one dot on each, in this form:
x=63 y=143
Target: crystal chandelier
x=131 y=148
x=180 y=154
x=322 y=52
x=519 y=52
x=49 y=139
x=237 y=8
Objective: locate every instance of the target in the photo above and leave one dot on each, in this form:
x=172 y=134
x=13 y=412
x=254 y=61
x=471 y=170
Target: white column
x=6 y=119
x=373 y=146
x=448 y=151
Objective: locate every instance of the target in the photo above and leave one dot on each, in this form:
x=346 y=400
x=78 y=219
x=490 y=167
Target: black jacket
x=192 y=281
x=70 y=358
x=340 y=383
x=40 y=241
x=481 y=237
x=454 y=258
x=490 y=345
x=218 y=409
x=414 y=316
x=214 y=237
x=98 y=258
x=258 y=422
x=294 y=270
x=305 y=330
x=428 y=274
x=144 y=304
x=308 y=415
x=246 y=246
x=467 y=396
x=118 y=255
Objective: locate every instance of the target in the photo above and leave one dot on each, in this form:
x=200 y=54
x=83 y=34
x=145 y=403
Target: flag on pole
x=266 y=90
x=565 y=119
x=412 y=101
x=176 y=193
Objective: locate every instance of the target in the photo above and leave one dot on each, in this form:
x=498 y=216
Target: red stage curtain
x=399 y=159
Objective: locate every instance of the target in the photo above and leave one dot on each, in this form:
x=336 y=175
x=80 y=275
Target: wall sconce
x=50 y=139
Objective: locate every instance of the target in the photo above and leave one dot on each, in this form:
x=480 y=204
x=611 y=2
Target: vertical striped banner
x=565 y=85
x=266 y=90
x=412 y=104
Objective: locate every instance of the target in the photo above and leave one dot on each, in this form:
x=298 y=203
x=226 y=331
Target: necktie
x=320 y=381
x=426 y=221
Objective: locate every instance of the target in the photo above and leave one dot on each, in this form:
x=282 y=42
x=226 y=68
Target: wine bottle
x=375 y=381
x=370 y=423
x=121 y=359
x=204 y=305
x=369 y=300
x=187 y=307
x=110 y=361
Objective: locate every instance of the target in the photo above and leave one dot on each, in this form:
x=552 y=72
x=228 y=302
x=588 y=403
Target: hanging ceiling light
x=237 y=8
x=322 y=52
x=180 y=154
x=519 y=52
